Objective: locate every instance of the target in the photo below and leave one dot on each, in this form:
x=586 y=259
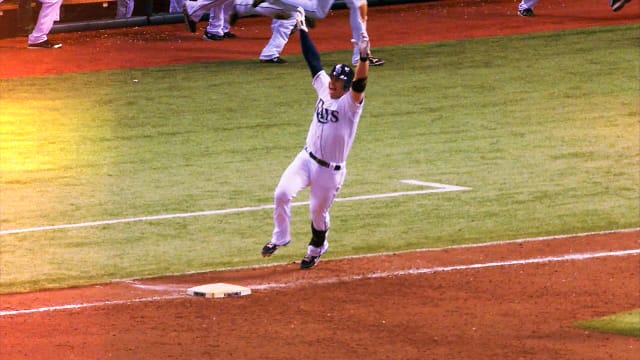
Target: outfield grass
x=627 y=323
x=543 y=128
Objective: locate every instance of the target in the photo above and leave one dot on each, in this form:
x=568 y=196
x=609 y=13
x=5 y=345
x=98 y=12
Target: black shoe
x=309 y=261
x=617 y=5
x=229 y=35
x=257 y=3
x=311 y=23
x=233 y=17
x=209 y=36
x=275 y=60
x=270 y=248
x=526 y=12
x=44 y=45
x=191 y=25
x=374 y=61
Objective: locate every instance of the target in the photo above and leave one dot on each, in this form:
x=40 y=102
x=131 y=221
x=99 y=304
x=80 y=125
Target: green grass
x=543 y=128
x=627 y=323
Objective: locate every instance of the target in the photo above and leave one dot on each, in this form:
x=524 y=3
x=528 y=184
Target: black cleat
x=233 y=17
x=270 y=248
x=374 y=61
x=275 y=60
x=311 y=22
x=526 y=12
x=309 y=261
x=210 y=36
x=617 y=5
x=46 y=44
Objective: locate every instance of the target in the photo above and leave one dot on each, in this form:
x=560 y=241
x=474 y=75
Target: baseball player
x=525 y=8
x=321 y=164
x=49 y=12
x=219 y=10
x=283 y=24
x=318 y=9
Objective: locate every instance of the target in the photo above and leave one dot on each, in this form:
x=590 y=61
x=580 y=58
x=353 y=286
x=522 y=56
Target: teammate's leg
x=214 y=29
x=280 y=31
x=197 y=8
x=49 y=13
x=316 y=9
x=124 y=9
x=357 y=13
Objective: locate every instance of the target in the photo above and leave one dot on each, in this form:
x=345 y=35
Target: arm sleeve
x=310 y=53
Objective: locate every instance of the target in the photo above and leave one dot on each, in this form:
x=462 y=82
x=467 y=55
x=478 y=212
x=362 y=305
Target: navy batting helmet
x=344 y=72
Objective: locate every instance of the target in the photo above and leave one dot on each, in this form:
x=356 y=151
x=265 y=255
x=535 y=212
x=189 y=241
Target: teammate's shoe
x=233 y=17
x=617 y=5
x=229 y=35
x=44 y=45
x=270 y=248
x=275 y=60
x=213 y=37
x=374 y=61
x=309 y=261
x=526 y=12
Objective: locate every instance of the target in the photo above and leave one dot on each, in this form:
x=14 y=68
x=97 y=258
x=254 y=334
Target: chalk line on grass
x=435 y=188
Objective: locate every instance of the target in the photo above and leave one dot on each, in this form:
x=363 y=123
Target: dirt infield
x=516 y=300
x=388 y=25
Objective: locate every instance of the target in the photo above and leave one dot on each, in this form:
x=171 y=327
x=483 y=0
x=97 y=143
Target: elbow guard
x=359 y=85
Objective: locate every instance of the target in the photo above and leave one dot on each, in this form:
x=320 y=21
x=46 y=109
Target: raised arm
x=310 y=53
x=362 y=68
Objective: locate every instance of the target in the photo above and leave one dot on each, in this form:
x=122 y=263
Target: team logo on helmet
x=344 y=72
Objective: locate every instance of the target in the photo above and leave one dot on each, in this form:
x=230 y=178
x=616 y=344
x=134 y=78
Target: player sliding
x=321 y=164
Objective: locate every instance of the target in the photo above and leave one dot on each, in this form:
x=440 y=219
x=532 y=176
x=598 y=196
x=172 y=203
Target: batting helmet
x=344 y=72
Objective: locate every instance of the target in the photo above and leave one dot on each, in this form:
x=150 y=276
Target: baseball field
x=491 y=208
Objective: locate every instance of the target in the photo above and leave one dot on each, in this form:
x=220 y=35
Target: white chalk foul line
x=437 y=188
x=374 y=275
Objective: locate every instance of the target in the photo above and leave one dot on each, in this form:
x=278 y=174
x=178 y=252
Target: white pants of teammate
x=219 y=18
x=175 y=6
x=303 y=172
x=196 y=9
x=281 y=26
x=125 y=9
x=49 y=13
x=318 y=9
x=527 y=4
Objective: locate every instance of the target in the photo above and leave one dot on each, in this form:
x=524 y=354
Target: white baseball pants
x=49 y=13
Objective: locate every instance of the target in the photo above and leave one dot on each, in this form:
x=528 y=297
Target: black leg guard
x=318 y=237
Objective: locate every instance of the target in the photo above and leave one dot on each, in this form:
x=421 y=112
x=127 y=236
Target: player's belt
x=323 y=163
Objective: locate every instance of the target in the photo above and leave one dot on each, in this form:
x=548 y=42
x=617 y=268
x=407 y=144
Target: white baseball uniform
x=197 y=8
x=527 y=4
x=318 y=9
x=49 y=13
x=124 y=9
x=321 y=165
x=282 y=25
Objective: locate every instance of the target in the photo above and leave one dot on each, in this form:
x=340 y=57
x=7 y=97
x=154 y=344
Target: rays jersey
x=334 y=123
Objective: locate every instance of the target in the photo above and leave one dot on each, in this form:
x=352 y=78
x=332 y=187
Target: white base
x=218 y=290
